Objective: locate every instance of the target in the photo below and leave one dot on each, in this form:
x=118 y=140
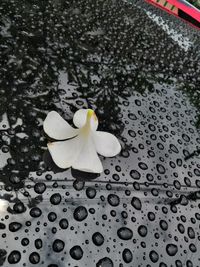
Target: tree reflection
x=107 y=51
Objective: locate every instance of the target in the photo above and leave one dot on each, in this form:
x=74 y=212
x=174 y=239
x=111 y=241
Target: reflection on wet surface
x=144 y=87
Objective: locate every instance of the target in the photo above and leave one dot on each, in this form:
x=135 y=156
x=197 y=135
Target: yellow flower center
x=87 y=128
x=91 y=114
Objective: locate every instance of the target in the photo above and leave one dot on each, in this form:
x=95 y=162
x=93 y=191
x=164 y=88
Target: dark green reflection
x=110 y=40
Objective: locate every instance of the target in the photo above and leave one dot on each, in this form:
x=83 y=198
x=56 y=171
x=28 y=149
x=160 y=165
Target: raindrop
x=160 y=168
x=52 y=216
x=97 y=239
x=142 y=230
x=39 y=188
x=192 y=248
x=35 y=212
x=76 y=252
x=135 y=174
x=58 y=245
x=14 y=226
x=127 y=255
x=63 y=223
x=181 y=228
x=80 y=213
x=55 y=199
x=154 y=256
x=191 y=233
x=34 y=258
x=171 y=249
x=163 y=225
x=151 y=216
x=105 y=262
x=78 y=185
x=19 y=207
x=91 y=192
x=14 y=257
x=136 y=203
x=113 y=200
x=143 y=166
x=125 y=233
x=25 y=242
x=38 y=243
x=2 y=226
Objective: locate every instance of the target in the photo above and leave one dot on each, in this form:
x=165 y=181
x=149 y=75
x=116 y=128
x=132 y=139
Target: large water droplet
x=135 y=174
x=113 y=200
x=63 y=223
x=125 y=233
x=154 y=256
x=127 y=255
x=76 y=252
x=58 y=245
x=80 y=213
x=105 y=262
x=97 y=239
x=55 y=199
x=14 y=226
x=14 y=257
x=136 y=203
x=34 y=258
x=171 y=249
x=142 y=230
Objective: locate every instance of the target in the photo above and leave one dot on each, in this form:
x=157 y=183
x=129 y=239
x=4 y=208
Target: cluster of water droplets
x=66 y=55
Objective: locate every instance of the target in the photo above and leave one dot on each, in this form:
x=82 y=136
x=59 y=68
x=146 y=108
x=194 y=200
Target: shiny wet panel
x=138 y=68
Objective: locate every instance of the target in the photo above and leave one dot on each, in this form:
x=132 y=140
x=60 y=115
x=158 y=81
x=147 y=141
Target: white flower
x=78 y=148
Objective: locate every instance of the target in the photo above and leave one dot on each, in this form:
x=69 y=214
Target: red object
x=187 y=8
x=183 y=9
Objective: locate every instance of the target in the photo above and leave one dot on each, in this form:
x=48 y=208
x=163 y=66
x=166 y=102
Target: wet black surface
x=144 y=87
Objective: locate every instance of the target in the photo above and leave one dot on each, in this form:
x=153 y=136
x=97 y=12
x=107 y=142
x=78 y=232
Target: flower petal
x=57 y=128
x=80 y=117
x=106 y=144
x=64 y=153
x=88 y=159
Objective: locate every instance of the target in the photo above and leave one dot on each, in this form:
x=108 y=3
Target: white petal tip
x=57 y=128
x=62 y=164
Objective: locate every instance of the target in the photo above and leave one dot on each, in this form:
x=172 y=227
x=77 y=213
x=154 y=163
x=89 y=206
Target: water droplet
x=63 y=223
x=58 y=245
x=136 y=203
x=52 y=216
x=153 y=255
x=78 y=185
x=19 y=207
x=163 y=225
x=76 y=252
x=127 y=255
x=14 y=226
x=113 y=200
x=97 y=239
x=125 y=233
x=39 y=188
x=135 y=174
x=14 y=257
x=91 y=192
x=38 y=243
x=142 y=230
x=191 y=233
x=160 y=168
x=80 y=213
x=171 y=249
x=105 y=262
x=34 y=258
x=55 y=199
x=35 y=212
